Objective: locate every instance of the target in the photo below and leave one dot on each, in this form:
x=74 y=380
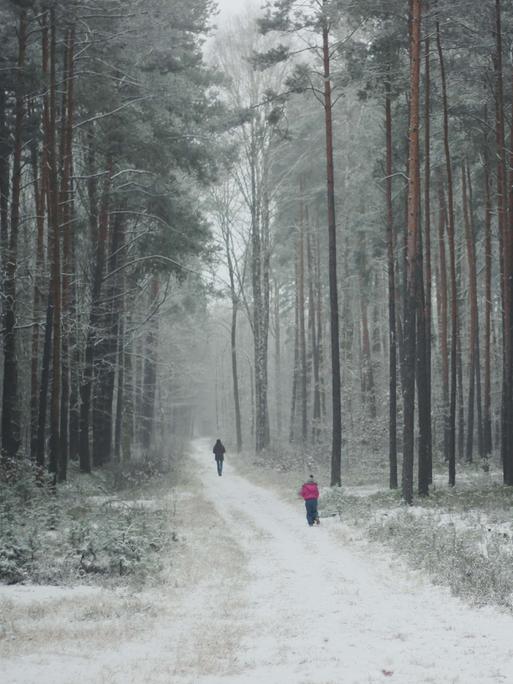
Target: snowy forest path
x=319 y=612
x=252 y=595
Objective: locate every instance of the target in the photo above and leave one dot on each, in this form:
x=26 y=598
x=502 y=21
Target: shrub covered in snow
x=79 y=533
x=462 y=538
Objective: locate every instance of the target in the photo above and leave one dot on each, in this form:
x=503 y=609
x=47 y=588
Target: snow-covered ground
x=258 y=597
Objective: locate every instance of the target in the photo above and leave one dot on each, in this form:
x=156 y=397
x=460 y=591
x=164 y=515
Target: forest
x=365 y=230
x=287 y=224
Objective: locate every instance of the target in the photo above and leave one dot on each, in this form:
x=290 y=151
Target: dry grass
x=184 y=609
x=100 y=617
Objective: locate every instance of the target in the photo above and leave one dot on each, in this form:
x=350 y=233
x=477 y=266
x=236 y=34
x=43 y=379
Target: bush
x=75 y=534
x=453 y=555
x=461 y=538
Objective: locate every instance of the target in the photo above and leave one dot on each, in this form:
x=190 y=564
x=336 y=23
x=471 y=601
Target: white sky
x=228 y=7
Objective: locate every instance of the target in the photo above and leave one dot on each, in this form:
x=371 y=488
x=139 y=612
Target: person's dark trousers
x=311 y=511
x=219 y=462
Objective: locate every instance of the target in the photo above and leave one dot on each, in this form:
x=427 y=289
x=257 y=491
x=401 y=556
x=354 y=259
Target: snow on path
x=321 y=613
x=269 y=600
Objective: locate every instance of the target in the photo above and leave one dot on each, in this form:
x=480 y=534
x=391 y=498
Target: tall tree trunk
x=412 y=248
x=277 y=358
x=235 y=378
x=368 y=390
x=301 y=311
x=428 y=474
x=508 y=322
x=5 y=150
x=42 y=408
x=38 y=299
x=474 y=365
x=469 y=240
x=233 y=339
x=127 y=421
x=452 y=258
x=150 y=373
x=295 y=369
x=320 y=324
x=252 y=395
x=67 y=249
x=424 y=406
x=479 y=398
x=392 y=342
x=443 y=318
x=75 y=317
x=55 y=259
x=94 y=319
x=120 y=386
x=138 y=389
x=259 y=232
x=107 y=349
x=10 y=409
x=487 y=415
x=336 y=449
x=402 y=272
x=44 y=385
x=314 y=341
x=119 y=341
x=461 y=405
x=76 y=364
x=505 y=249
x=266 y=290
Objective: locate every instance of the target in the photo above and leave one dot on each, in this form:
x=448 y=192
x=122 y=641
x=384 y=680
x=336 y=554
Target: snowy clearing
x=257 y=596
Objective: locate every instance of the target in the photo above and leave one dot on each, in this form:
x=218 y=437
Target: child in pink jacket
x=310 y=493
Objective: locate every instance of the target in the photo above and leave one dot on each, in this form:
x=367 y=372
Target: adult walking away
x=219 y=452
x=310 y=493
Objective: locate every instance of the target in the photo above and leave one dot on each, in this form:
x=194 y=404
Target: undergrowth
x=94 y=529
x=462 y=538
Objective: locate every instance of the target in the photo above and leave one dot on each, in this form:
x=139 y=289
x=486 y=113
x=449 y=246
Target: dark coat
x=219 y=450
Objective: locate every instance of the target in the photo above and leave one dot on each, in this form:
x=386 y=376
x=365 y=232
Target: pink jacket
x=309 y=491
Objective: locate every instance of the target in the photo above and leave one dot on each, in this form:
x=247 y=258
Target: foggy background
x=230 y=7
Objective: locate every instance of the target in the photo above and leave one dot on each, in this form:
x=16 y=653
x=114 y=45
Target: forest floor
x=251 y=594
